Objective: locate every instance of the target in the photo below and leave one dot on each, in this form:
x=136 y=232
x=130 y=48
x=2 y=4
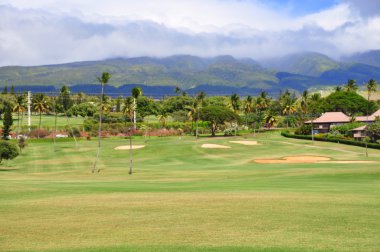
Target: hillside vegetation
x=298 y=71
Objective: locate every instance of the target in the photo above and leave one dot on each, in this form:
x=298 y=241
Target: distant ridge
x=220 y=75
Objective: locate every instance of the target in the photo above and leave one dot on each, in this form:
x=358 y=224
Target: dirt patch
x=245 y=142
x=215 y=146
x=127 y=147
x=293 y=160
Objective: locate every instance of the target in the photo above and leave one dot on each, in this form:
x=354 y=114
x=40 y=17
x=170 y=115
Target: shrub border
x=332 y=140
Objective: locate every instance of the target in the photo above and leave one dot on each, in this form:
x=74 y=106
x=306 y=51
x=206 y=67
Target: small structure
x=327 y=120
x=360 y=133
x=323 y=123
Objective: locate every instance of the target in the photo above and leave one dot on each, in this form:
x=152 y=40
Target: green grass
x=47 y=121
x=182 y=197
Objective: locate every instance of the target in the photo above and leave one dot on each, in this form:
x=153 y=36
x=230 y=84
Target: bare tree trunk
x=55 y=123
x=39 y=126
x=99 y=131
x=134 y=113
x=71 y=129
x=196 y=125
x=18 y=123
x=130 y=154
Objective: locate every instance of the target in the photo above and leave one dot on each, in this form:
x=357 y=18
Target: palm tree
x=351 y=86
x=234 y=102
x=248 y=107
x=136 y=92
x=177 y=90
x=40 y=104
x=128 y=108
x=103 y=80
x=288 y=105
x=371 y=87
x=304 y=101
x=270 y=119
x=338 y=88
x=192 y=111
x=20 y=107
x=263 y=101
x=200 y=100
x=163 y=116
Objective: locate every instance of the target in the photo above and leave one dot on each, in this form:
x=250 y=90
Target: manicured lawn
x=182 y=197
x=47 y=121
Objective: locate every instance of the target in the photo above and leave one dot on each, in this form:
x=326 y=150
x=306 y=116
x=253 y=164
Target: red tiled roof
x=370 y=118
x=332 y=117
x=361 y=128
x=377 y=113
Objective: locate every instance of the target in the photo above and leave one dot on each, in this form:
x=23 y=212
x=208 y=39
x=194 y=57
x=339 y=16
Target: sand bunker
x=293 y=160
x=245 y=142
x=215 y=146
x=127 y=147
x=349 y=162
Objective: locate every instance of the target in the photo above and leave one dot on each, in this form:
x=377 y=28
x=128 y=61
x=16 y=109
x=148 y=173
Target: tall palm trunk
x=55 y=124
x=39 y=126
x=18 y=123
x=22 y=117
x=99 y=129
x=134 y=113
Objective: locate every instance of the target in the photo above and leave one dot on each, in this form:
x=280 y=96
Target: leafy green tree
x=177 y=103
x=103 y=80
x=7 y=122
x=217 y=115
x=8 y=150
x=64 y=99
x=349 y=103
x=373 y=130
x=146 y=106
x=85 y=109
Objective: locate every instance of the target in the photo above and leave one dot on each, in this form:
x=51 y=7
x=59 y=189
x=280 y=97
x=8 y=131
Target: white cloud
x=52 y=31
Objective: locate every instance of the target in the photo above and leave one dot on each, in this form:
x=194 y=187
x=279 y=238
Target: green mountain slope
x=299 y=71
x=309 y=63
x=184 y=71
x=370 y=58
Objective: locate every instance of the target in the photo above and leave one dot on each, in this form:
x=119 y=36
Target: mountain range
x=297 y=71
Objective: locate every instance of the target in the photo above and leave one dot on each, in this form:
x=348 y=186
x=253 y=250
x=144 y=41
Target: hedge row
x=333 y=140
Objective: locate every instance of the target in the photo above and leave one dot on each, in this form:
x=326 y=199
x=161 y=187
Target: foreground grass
x=185 y=198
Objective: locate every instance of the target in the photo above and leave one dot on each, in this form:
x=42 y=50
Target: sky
x=42 y=32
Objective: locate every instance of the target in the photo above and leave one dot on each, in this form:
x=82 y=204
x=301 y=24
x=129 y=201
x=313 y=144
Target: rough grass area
x=183 y=197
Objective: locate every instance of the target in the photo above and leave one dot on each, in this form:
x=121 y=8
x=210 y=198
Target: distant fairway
x=183 y=197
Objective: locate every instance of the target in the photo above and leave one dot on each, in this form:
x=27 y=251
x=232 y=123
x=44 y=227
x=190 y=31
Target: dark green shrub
x=305 y=129
x=8 y=150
